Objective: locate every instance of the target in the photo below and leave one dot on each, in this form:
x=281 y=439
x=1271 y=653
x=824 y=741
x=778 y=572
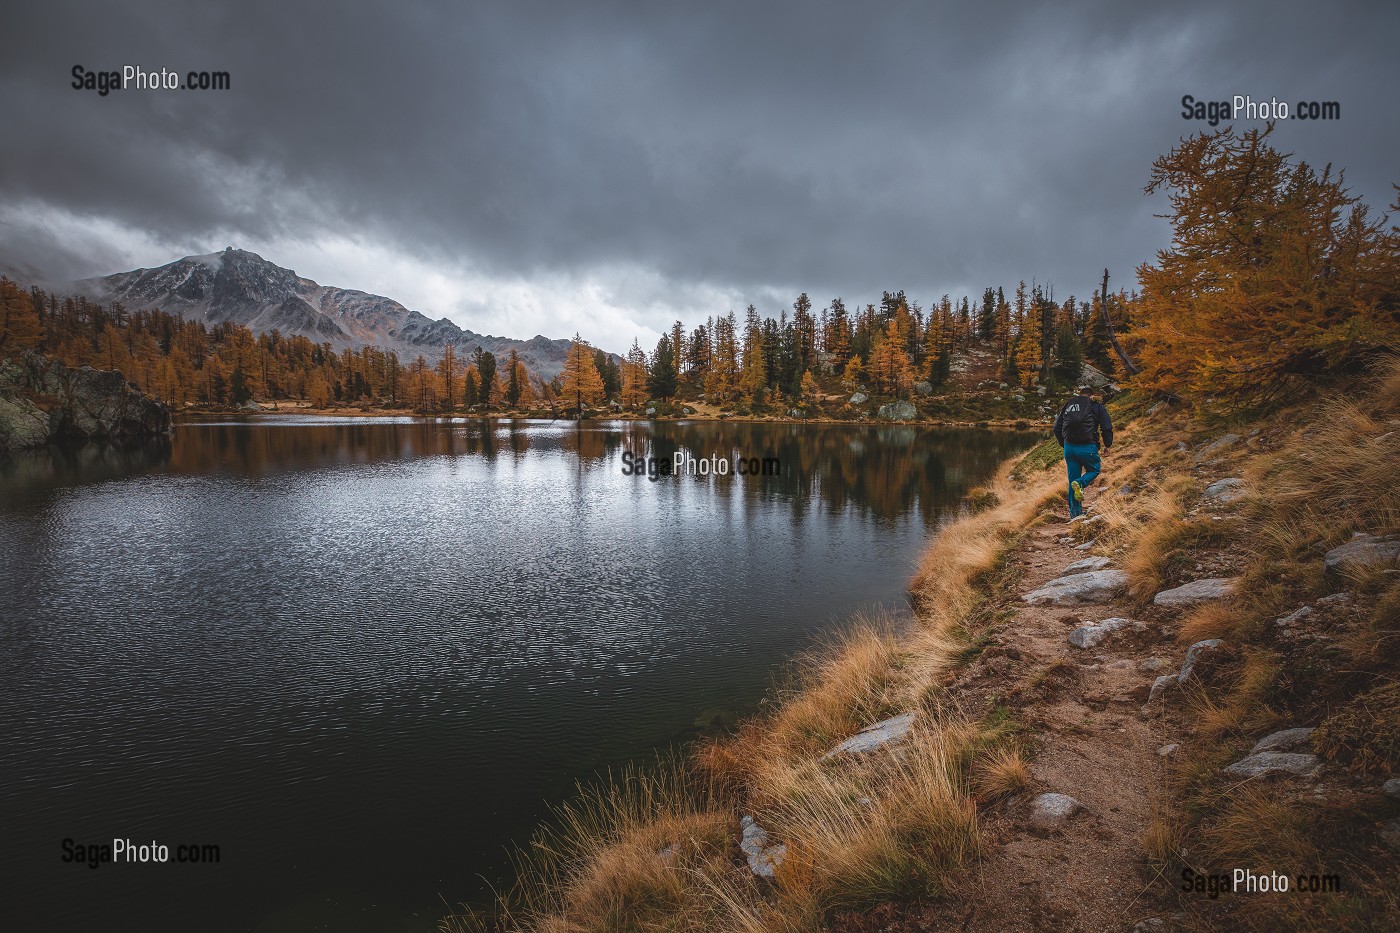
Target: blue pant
x=1082 y=460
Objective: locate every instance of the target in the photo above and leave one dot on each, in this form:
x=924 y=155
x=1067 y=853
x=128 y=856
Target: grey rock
x=1050 y=812
x=1390 y=834
x=1196 y=592
x=651 y=410
x=1156 y=408
x=1286 y=740
x=923 y=388
x=859 y=398
x=1086 y=519
x=1161 y=685
x=1181 y=447
x=897 y=411
x=1266 y=764
x=1194 y=655
x=1336 y=599
x=1096 y=586
x=1391 y=788
x=1086 y=545
x=42 y=400
x=1226 y=490
x=1215 y=447
x=1087 y=636
x=1297 y=615
x=1166 y=751
x=1148 y=665
x=1362 y=551
x=879 y=735
x=1088 y=563
x=794 y=413
x=1040 y=390
x=763 y=857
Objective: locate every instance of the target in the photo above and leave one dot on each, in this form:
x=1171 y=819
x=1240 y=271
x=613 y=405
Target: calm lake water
x=359 y=656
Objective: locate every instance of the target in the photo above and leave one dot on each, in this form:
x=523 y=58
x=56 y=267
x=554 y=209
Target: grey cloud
x=754 y=149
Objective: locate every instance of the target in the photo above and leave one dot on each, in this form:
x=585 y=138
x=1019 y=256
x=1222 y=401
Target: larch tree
x=1275 y=272
x=580 y=384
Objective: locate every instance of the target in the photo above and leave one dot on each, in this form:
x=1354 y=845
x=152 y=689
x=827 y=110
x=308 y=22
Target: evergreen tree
x=662 y=379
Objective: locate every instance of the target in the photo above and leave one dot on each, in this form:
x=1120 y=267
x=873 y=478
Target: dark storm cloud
x=756 y=148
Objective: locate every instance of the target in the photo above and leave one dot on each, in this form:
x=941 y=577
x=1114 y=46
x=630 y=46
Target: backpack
x=1078 y=422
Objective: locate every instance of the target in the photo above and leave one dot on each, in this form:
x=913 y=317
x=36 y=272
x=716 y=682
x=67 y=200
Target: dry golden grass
x=892 y=825
x=1211 y=620
x=1245 y=708
x=1258 y=826
x=1003 y=772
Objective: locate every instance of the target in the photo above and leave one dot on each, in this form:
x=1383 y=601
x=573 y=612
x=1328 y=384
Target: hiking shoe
x=1078 y=491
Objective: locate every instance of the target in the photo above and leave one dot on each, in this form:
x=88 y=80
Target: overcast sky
x=529 y=168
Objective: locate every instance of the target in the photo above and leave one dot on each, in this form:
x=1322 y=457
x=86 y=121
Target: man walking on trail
x=1077 y=428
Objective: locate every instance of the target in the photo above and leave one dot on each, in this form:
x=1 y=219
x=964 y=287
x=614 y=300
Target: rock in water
x=1096 y=586
x=1197 y=591
x=763 y=858
x=42 y=400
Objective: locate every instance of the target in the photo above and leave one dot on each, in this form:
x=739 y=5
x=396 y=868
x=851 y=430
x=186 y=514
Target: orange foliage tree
x=1275 y=272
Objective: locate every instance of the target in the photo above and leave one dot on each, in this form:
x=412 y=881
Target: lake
x=360 y=656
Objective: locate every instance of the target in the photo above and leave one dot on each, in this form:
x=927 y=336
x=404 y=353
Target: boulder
x=873 y=737
x=923 y=388
x=1088 y=563
x=1080 y=589
x=1161 y=685
x=1198 y=652
x=859 y=398
x=1215 y=447
x=1362 y=551
x=1087 y=636
x=897 y=411
x=1226 y=490
x=42 y=400
x=1267 y=764
x=763 y=857
x=1050 y=812
x=1286 y=740
x=651 y=411
x=1196 y=592
x=1391 y=788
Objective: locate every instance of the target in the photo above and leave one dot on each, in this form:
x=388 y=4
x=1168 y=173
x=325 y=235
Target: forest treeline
x=1276 y=274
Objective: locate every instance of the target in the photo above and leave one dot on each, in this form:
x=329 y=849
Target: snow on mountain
x=242 y=287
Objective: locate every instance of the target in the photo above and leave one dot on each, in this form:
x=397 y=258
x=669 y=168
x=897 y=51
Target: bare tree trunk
x=1129 y=366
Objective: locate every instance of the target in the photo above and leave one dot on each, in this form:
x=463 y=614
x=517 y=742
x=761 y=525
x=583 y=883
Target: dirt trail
x=1091 y=742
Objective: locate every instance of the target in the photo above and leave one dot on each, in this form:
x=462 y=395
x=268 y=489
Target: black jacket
x=1101 y=425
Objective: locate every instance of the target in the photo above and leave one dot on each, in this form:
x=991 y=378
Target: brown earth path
x=1090 y=740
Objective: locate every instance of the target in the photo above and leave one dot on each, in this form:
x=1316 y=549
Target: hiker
x=1077 y=428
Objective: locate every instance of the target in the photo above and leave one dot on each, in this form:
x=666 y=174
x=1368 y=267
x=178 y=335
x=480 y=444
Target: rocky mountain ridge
x=244 y=288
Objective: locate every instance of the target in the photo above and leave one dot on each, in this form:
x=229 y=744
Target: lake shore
x=700 y=414
x=951 y=773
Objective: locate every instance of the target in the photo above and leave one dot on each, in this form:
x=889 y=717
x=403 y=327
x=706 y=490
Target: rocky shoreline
x=42 y=402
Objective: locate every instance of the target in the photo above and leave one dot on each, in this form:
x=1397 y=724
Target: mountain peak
x=242 y=287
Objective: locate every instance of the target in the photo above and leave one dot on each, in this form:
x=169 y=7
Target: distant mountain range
x=245 y=288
